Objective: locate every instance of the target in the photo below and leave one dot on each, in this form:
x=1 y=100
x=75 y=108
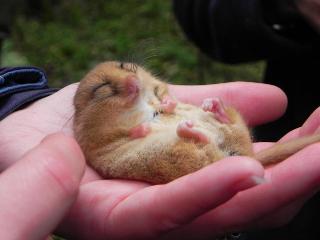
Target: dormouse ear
x=129 y=67
x=161 y=90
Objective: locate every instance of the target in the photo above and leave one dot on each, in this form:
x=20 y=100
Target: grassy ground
x=69 y=38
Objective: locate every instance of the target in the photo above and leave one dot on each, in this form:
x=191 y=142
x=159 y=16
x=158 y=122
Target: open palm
x=199 y=205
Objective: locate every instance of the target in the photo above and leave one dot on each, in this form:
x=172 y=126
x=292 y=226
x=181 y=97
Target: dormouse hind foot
x=185 y=130
x=215 y=106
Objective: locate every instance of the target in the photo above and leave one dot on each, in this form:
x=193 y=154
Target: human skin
x=38 y=190
x=310 y=9
x=117 y=209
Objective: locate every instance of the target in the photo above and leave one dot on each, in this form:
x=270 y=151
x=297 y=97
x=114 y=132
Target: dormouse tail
x=280 y=151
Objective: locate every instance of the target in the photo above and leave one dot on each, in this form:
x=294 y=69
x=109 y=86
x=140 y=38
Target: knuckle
x=59 y=175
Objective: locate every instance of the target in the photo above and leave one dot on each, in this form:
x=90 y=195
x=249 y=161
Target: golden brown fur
x=115 y=97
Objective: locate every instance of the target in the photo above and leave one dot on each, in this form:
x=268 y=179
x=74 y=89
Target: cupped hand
x=122 y=209
x=288 y=185
x=24 y=129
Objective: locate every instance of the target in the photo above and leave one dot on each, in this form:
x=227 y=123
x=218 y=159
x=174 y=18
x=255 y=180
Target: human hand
x=288 y=186
x=310 y=10
x=38 y=190
x=24 y=129
x=105 y=208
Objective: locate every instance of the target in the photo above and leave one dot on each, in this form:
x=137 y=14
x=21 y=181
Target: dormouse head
x=118 y=84
x=118 y=95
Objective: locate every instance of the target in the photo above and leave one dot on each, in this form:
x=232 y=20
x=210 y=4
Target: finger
x=285 y=183
x=164 y=208
x=157 y=209
x=89 y=214
x=312 y=124
x=249 y=98
x=291 y=135
x=38 y=190
x=90 y=175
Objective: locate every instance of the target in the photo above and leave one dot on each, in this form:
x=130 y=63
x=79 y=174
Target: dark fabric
x=236 y=31
x=299 y=78
x=20 y=86
x=21 y=79
x=305 y=226
x=17 y=100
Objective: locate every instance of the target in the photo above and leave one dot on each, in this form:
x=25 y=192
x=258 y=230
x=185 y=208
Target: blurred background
x=67 y=38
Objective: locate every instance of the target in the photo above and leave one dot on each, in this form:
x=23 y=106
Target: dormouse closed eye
x=130 y=67
x=104 y=90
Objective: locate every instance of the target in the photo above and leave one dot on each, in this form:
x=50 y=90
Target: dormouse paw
x=215 y=106
x=140 y=131
x=185 y=130
x=168 y=105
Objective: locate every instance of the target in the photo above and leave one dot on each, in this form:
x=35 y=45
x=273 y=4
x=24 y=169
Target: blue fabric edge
x=41 y=83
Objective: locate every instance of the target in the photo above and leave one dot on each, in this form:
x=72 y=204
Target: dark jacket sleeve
x=235 y=31
x=20 y=86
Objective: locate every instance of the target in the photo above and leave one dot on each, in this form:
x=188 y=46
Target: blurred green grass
x=70 y=37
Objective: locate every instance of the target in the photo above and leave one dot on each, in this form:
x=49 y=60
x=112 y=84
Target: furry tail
x=281 y=151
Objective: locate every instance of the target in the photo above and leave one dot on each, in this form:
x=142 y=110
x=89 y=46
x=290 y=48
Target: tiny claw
x=185 y=130
x=140 y=131
x=188 y=123
x=168 y=104
x=215 y=106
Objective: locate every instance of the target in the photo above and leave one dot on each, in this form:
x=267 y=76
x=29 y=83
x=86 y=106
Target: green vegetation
x=70 y=37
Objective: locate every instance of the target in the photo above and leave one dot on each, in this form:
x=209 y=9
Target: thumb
x=37 y=191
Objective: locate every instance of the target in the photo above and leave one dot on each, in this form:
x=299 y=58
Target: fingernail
x=258 y=180
x=249 y=182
